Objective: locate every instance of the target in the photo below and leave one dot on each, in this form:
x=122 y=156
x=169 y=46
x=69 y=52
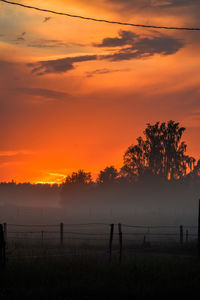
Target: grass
x=140 y=276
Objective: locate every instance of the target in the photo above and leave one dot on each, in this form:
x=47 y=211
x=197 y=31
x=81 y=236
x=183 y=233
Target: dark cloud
x=139 y=47
x=163 y=44
x=127 y=46
x=39 y=92
x=60 y=65
x=125 y=38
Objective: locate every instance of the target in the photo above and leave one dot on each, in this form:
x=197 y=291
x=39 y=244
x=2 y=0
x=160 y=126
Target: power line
x=100 y=20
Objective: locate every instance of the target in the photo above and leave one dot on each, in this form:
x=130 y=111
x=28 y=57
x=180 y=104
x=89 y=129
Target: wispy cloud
x=148 y=4
x=105 y=71
x=15 y=152
x=40 y=92
x=35 y=42
x=13 y=156
x=60 y=65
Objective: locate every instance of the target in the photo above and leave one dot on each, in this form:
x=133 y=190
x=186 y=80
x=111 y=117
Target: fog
x=158 y=184
x=154 y=202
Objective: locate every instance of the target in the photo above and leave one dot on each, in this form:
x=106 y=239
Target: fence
x=2 y=247
x=60 y=239
x=98 y=231
x=102 y=236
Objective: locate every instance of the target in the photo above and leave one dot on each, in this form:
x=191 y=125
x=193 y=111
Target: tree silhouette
x=79 y=178
x=76 y=186
x=161 y=152
x=108 y=175
x=135 y=160
x=196 y=170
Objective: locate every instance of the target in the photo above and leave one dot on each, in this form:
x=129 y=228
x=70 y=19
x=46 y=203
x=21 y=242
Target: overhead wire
x=100 y=20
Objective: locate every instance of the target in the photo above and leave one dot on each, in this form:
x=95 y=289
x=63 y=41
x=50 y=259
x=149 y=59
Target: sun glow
x=51 y=178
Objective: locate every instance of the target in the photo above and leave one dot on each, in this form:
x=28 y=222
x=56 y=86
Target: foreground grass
x=138 y=277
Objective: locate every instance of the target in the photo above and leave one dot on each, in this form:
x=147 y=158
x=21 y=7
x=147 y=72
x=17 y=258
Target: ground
x=139 y=276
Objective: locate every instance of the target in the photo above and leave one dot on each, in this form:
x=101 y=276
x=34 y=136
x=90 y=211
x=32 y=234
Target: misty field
x=139 y=276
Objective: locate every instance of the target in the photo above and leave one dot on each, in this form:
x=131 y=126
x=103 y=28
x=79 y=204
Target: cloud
x=44 y=43
x=12 y=156
x=46 y=19
x=146 y=4
x=128 y=45
x=21 y=38
x=60 y=65
x=125 y=38
x=39 y=92
x=195 y=114
x=172 y=3
x=104 y=71
x=136 y=47
x=158 y=12
x=14 y=152
x=41 y=42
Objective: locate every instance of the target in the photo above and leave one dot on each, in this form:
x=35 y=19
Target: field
x=77 y=263
x=140 y=275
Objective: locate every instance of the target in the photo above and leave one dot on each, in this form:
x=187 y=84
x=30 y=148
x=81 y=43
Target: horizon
x=61 y=178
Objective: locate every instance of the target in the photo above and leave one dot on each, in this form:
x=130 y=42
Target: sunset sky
x=75 y=94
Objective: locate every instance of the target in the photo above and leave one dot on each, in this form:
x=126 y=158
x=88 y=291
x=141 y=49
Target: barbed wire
x=100 y=20
x=33 y=225
x=150 y=227
x=104 y=224
x=58 y=225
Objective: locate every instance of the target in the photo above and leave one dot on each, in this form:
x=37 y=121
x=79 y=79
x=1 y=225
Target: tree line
x=158 y=161
x=161 y=153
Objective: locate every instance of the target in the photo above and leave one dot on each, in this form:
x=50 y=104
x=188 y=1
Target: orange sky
x=76 y=94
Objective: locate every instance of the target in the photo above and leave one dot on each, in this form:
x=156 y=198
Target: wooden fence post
x=187 y=236
x=2 y=248
x=42 y=236
x=120 y=242
x=198 y=245
x=181 y=234
x=110 y=241
x=5 y=229
x=61 y=233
